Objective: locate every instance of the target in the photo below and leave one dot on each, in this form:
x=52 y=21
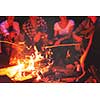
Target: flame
x=25 y=68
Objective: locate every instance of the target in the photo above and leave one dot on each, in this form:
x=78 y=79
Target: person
x=10 y=30
x=62 y=29
x=34 y=29
x=85 y=29
x=84 y=34
x=93 y=54
x=9 y=25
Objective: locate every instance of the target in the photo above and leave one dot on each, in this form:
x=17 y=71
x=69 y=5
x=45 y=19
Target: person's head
x=93 y=18
x=63 y=18
x=10 y=20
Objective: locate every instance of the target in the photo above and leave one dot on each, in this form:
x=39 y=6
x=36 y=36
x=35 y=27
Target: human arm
x=68 y=30
x=16 y=28
x=3 y=27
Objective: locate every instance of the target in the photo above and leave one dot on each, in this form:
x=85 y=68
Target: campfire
x=31 y=66
x=38 y=66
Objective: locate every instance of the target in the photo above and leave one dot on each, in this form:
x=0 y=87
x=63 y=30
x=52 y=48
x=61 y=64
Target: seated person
x=62 y=29
x=34 y=29
x=10 y=30
x=84 y=34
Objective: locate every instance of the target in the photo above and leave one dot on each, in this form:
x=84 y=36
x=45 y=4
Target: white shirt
x=4 y=26
x=63 y=31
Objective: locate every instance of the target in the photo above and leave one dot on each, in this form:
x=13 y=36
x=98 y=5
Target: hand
x=78 y=39
x=12 y=34
x=37 y=37
x=57 y=42
x=50 y=42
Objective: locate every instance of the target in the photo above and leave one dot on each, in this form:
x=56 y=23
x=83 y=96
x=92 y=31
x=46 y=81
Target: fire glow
x=26 y=68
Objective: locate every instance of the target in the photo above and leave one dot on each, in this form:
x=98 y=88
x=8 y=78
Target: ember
x=35 y=53
x=26 y=68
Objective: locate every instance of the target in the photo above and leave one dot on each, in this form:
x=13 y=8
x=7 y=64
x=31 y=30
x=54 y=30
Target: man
x=93 y=55
x=85 y=29
x=84 y=33
x=34 y=29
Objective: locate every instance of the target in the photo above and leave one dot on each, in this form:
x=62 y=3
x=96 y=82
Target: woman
x=62 y=30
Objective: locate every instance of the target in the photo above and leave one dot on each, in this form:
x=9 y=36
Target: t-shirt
x=64 y=31
x=5 y=27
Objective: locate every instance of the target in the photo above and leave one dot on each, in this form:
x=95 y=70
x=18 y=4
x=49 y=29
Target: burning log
x=26 y=68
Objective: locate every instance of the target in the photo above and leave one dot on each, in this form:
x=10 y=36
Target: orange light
x=25 y=65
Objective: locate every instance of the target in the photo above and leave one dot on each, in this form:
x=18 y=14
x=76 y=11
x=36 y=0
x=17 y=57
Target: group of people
x=34 y=31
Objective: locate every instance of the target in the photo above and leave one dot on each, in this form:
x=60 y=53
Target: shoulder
x=56 y=24
x=16 y=23
x=71 y=22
